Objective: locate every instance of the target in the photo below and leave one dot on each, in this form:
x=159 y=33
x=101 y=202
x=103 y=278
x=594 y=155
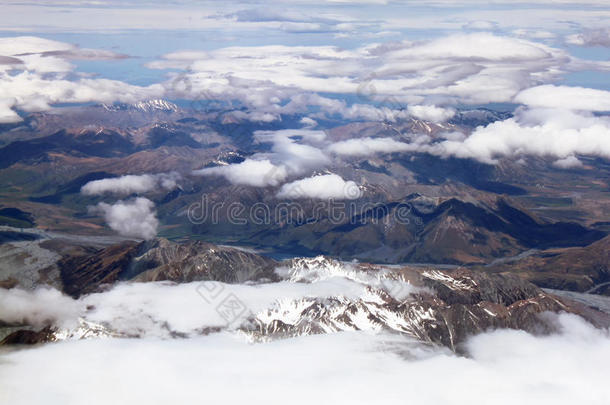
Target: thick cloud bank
x=172 y=360
x=505 y=367
x=561 y=134
x=540 y=132
x=38 y=307
x=165 y=310
x=132 y=218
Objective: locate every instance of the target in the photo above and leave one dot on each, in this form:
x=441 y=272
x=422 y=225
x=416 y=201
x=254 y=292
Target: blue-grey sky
x=146 y=30
x=279 y=56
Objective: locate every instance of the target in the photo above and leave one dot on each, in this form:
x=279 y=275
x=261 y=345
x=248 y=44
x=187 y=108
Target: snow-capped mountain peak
x=155 y=105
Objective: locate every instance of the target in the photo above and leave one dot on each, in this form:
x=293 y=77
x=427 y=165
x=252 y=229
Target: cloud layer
x=36 y=73
x=475 y=62
x=553 y=132
x=224 y=368
x=461 y=68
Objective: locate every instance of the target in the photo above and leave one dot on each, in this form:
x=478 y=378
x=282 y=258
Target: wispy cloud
x=591 y=37
x=40 y=74
x=129 y=184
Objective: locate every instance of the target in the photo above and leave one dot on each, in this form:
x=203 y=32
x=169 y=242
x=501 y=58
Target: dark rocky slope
x=161 y=259
x=582 y=269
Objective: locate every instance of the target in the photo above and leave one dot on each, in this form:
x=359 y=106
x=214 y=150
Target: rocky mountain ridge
x=436 y=307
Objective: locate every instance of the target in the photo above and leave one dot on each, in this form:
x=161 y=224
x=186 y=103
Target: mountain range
x=414 y=207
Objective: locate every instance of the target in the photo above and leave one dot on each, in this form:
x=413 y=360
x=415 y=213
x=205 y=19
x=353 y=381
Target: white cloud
x=297 y=157
x=329 y=186
x=569 y=162
x=292 y=153
x=255 y=116
x=256 y=173
x=369 y=146
x=32 y=91
x=463 y=68
x=129 y=184
x=31 y=45
x=7 y=114
x=554 y=133
x=478 y=47
x=592 y=37
x=565 y=97
x=132 y=218
x=39 y=308
x=431 y=113
x=308 y=122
